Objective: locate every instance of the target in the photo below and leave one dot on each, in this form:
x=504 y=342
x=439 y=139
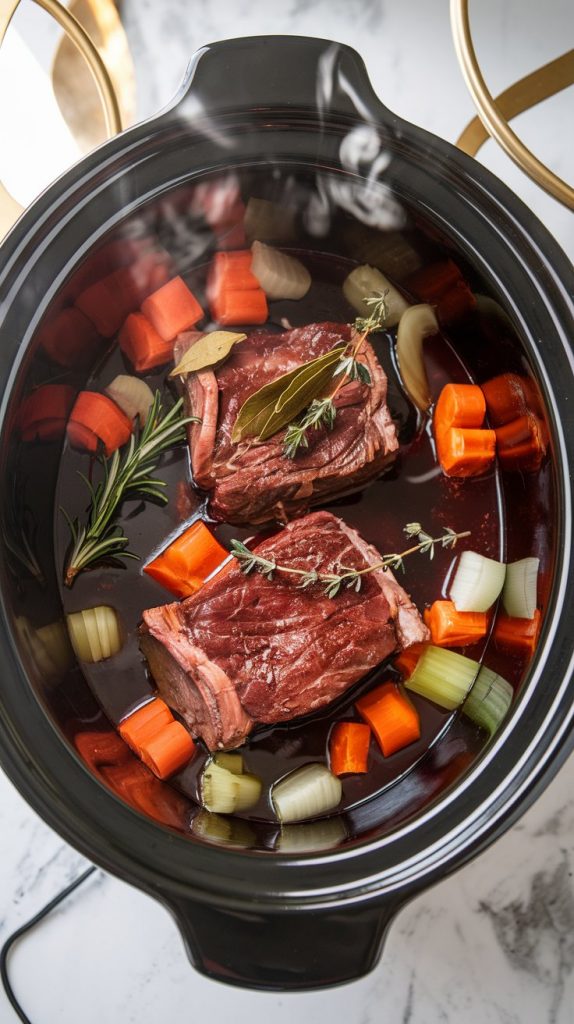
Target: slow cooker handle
x=283 y=950
x=282 y=73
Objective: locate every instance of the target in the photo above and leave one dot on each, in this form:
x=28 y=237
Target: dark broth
x=414 y=489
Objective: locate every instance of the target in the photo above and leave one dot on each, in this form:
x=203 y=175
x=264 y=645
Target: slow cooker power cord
x=27 y=927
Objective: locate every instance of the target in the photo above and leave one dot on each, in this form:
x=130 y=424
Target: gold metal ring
x=10 y=210
x=492 y=112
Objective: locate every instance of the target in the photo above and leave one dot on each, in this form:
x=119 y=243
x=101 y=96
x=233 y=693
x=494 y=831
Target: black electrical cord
x=28 y=927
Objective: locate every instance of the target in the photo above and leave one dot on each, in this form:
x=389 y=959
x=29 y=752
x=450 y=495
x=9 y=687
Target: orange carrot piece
x=48 y=402
x=464 y=453
x=407 y=660
x=235 y=308
x=142 y=345
x=101 y=748
x=82 y=437
x=392 y=717
x=163 y=744
x=442 y=285
x=168 y=750
x=144 y=723
x=231 y=271
x=109 y=301
x=135 y=784
x=459 y=405
x=521 y=444
x=505 y=398
x=349 y=748
x=98 y=414
x=519 y=636
x=172 y=309
x=450 y=628
x=69 y=339
x=183 y=567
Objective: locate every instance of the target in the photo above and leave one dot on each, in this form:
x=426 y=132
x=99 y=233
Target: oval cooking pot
x=257 y=917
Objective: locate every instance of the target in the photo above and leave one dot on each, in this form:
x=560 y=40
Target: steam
x=363 y=193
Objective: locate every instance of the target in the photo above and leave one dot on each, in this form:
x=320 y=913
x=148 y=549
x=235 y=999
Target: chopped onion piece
x=489 y=700
x=221 y=830
x=443 y=676
x=311 y=837
x=56 y=642
x=268 y=222
x=95 y=633
x=519 y=595
x=281 y=276
x=477 y=582
x=416 y=324
x=365 y=282
x=226 y=793
x=305 y=793
x=232 y=762
x=133 y=396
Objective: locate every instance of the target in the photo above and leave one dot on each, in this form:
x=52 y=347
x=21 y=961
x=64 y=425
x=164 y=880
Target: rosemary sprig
x=332 y=582
x=125 y=476
x=322 y=412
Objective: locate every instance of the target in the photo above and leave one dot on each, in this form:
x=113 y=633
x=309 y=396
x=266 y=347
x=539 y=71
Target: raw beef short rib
x=254 y=482
x=248 y=650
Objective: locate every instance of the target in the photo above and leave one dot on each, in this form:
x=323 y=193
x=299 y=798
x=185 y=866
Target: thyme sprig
x=127 y=475
x=349 y=578
x=322 y=412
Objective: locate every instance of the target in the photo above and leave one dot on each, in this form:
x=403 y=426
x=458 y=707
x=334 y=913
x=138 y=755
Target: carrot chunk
x=69 y=339
x=519 y=636
x=349 y=748
x=163 y=744
x=442 y=285
x=235 y=296
x=233 y=308
x=168 y=750
x=101 y=748
x=109 y=301
x=459 y=405
x=142 y=345
x=450 y=628
x=407 y=660
x=44 y=412
x=521 y=444
x=172 y=309
x=391 y=716
x=97 y=414
x=183 y=567
x=464 y=453
x=145 y=722
x=231 y=271
x=505 y=398
x=135 y=784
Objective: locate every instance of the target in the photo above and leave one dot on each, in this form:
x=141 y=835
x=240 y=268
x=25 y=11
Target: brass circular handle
x=538 y=86
x=10 y=210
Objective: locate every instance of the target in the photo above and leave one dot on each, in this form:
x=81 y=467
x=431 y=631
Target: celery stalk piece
x=489 y=700
x=443 y=676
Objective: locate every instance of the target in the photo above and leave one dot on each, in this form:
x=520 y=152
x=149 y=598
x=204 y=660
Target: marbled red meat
x=254 y=483
x=248 y=650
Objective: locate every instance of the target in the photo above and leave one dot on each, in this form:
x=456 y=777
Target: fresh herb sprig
x=349 y=578
x=322 y=412
x=127 y=475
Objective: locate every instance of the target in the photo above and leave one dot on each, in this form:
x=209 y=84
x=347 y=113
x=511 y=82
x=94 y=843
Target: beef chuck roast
x=254 y=482
x=248 y=650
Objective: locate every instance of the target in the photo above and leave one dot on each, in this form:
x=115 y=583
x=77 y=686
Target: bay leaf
x=208 y=351
x=274 y=405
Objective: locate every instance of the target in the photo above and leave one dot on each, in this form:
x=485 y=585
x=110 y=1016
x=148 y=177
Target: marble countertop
x=493 y=943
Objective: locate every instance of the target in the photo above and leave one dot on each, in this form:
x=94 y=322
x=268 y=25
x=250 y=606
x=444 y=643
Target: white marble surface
x=494 y=943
